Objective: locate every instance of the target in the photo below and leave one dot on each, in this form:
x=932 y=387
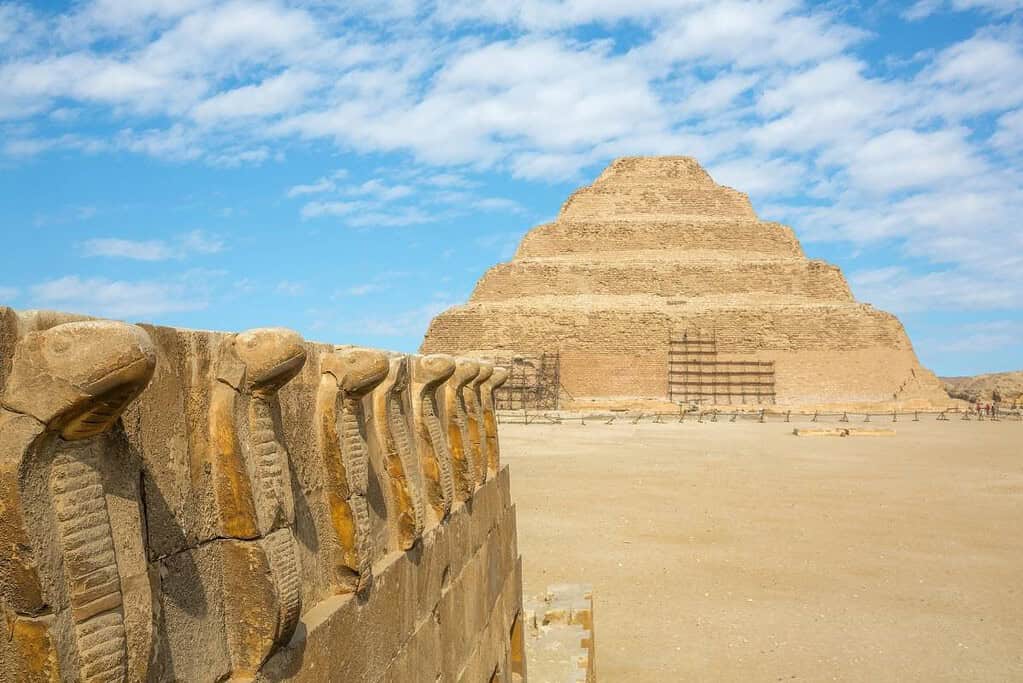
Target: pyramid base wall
x=833 y=356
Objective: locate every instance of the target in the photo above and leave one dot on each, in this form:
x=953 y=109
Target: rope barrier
x=761 y=416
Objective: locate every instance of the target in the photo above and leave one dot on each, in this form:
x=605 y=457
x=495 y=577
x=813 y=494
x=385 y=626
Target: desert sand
x=739 y=552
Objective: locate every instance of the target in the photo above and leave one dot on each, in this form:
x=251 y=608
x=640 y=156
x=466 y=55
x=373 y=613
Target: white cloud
x=977 y=75
x=177 y=143
x=775 y=96
x=117 y=298
x=364 y=289
x=320 y=186
x=290 y=288
x=194 y=242
x=200 y=242
x=984 y=337
x=377 y=189
x=718 y=93
x=318 y=209
x=752 y=34
x=896 y=289
x=276 y=95
x=408 y=323
x=152 y=250
x=904 y=159
x=1008 y=138
x=925 y=8
x=761 y=176
x=499 y=205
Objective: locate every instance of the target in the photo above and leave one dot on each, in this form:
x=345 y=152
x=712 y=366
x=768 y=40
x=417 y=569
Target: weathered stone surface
x=654 y=250
x=392 y=435
x=344 y=425
x=487 y=389
x=559 y=637
x=73 y=577
x=475 y=421
x=429 y=374
x=225 y=523
x=456 y=427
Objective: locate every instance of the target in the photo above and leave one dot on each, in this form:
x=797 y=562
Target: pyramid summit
x=657 y=283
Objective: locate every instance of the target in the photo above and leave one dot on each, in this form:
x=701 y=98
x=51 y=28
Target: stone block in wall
x=560 y=643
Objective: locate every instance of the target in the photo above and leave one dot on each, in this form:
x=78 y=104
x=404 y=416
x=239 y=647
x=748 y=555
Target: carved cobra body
x=457 y=427
x=253 y=492
x=392 y=434
x=428 y=374
x=59 y=576
x=349 y=373
x=487 y=389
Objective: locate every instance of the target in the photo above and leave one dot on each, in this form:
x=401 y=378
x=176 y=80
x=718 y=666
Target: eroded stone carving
x=428 y=375
x=252 y=492
x=474 y=421
x=349 y=374
x=390 y=422
x=456 y=419
x=60 y=581
x=487 y=389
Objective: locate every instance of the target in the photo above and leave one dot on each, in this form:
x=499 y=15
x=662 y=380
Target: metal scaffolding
x=534 y=383
x=696 y=375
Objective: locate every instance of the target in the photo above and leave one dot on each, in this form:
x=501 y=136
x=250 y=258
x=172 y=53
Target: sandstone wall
x=824 y=354
x=655 y=188
x=611 y=236
x=813 y=280
x=189 y=505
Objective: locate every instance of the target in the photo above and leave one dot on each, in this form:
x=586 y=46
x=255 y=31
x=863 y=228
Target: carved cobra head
x=499 y=377
x=434 y=368
x=398 y=373
x=486 y=370
x=466 y=370
x=360 y=369
x=78 y=377
x=271 y=356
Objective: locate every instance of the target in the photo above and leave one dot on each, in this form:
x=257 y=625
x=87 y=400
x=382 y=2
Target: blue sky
x=349 y=169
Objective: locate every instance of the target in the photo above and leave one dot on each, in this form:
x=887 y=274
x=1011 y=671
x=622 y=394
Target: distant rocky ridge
x=1007 y=385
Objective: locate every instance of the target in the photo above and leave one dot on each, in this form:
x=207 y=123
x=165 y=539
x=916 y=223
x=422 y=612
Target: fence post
x=895 y=416
x=762 y=412
x=867 y=419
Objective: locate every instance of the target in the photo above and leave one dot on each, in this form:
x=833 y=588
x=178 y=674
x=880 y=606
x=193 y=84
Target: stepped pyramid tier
x=657 y=283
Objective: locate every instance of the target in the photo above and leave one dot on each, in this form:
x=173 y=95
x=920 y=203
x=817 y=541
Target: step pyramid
x=657 y=283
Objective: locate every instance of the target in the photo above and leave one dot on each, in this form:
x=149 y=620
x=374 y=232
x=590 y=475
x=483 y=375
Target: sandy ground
x=738 y=552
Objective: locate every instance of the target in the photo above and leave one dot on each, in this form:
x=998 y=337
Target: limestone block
x=65 y=569
x=433 y=573
x=169 y=426
x=429 y=375
x=456 y=422
x=559 y=643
